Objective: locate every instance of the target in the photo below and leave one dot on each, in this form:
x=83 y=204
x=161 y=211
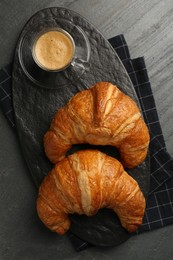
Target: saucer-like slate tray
x=37 y=96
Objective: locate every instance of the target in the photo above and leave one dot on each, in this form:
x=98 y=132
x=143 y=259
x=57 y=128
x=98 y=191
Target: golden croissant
x=85 y=182
x=100 y=115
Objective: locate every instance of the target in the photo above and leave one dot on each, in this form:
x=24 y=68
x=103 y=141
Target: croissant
x=85 y=182
x=100 y=115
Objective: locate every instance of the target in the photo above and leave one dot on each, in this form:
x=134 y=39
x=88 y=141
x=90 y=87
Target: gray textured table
x=147 y=26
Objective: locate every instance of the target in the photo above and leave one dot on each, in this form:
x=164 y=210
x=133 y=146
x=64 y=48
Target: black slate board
x=35 y=102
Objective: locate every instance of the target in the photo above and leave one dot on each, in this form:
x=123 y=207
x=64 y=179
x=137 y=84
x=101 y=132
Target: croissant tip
x=132 y=228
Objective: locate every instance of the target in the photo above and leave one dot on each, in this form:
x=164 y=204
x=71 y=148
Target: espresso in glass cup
x=53 y=50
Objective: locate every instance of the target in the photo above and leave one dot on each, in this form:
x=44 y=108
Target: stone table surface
x=148 y=29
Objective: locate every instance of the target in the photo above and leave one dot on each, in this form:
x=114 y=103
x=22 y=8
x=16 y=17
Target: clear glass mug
x=54 y=41
x=52 y=79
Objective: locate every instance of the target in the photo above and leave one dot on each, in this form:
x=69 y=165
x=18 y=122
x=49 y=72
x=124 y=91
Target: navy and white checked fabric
x=6 y=94
x=159 y=210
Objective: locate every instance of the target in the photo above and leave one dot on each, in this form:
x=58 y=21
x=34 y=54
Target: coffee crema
x=54 y=50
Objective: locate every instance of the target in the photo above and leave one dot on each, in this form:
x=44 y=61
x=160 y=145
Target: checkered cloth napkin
x=159 y=210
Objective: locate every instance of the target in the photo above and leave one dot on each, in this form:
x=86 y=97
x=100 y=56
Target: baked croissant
x=85 y=182
x=100 y=115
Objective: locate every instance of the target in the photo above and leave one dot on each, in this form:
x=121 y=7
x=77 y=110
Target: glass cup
x=53 y=50
x=43 y=75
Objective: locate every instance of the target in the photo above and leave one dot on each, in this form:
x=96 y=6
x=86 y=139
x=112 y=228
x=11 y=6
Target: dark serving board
x=37 y=95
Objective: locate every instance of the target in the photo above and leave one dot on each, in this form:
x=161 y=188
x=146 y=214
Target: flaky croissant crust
x=83 y=183
x=100 y=115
